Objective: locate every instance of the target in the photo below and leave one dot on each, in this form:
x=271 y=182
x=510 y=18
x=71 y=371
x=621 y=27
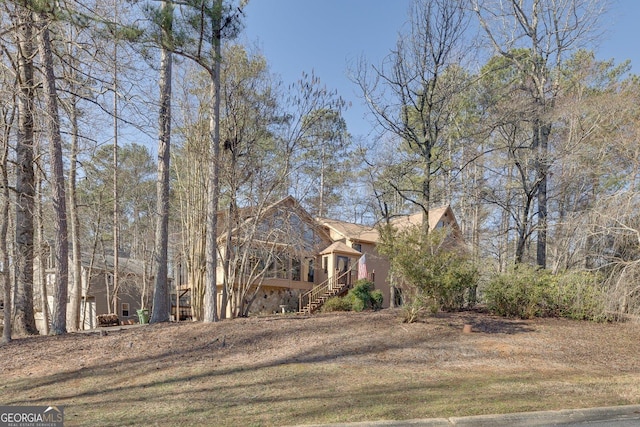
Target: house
x=278 y=258
x=135 y=287
x=364 y=239
x=282 y=259
x=438 y=217
x=272 y=256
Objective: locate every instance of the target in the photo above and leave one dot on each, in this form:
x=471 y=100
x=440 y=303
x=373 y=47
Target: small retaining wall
x=269 y=300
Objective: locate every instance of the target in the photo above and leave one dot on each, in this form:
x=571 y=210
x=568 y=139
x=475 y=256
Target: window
x=311 y=271
x=311 y=239
x=125 y=309
x=357 y=246
x=281 y=264
x=296 y=266
x=343 y=264
x=325 y=264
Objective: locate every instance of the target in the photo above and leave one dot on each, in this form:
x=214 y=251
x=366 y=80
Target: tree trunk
x=426 y=195
x=24 y=321
x=43 y=251
x=162 y=295
x=213 y=190
x=543 y=131
x=229 y=276
x=213 y=194
x=61 y=245
x=4 y=220
x=523 y=228
x=116 y=194
x=76 y=290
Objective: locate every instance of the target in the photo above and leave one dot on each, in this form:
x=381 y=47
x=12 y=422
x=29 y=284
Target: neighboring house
x=135 y=288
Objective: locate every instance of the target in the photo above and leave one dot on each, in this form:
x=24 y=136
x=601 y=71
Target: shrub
x=527 y=292
x=457 y=282
x=412 y=310
x=417 y=305
x=336 y=304
x=361 y=297
x=431 y=266
x=514 y=293
x=376 y=299
x=355 y=303
x=576 y=295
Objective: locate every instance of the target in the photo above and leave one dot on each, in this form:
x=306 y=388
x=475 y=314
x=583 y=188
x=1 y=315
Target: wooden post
x=178 y=297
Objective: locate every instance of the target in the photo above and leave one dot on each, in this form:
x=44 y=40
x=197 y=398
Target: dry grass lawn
x=288 y=370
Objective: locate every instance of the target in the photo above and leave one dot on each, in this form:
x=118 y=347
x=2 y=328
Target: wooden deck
x=185 y=312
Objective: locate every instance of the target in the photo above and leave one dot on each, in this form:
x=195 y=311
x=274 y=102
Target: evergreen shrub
x=528 y=292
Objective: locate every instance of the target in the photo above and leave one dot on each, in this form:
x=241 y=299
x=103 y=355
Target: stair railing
x=311 y=300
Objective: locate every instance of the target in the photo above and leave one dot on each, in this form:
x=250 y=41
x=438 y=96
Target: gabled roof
x=340 y=248
x=365 y=233
x=248 y=214
x=351 y=231
x=105 y=264
x=436 y=215
x=357 y=232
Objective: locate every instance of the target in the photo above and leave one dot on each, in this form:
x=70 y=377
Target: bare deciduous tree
x=412 y=94
x=548 y=30
x=8 y=111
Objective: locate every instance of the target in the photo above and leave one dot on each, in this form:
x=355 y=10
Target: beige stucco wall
x=379 y=266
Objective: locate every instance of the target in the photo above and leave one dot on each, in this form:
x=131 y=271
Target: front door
x=342 y=265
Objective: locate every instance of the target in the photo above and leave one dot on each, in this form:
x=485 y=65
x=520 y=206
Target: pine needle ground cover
x=341 y=367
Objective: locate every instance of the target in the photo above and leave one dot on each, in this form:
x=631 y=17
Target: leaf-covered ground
x=285 y=370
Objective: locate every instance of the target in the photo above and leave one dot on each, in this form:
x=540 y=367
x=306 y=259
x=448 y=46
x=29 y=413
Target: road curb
x=520 y=419
x=546 y=418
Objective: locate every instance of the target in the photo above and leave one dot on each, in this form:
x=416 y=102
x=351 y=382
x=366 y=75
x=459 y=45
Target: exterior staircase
x=336 y=285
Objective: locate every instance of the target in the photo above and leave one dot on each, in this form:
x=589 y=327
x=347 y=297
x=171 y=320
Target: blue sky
x=326 y=36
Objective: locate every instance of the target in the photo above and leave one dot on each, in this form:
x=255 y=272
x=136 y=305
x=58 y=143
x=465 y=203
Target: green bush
x=514 y=293
x=360 y=297
x=457 y=282
x=355 y=303
x=433 y=266
x=376 y=299
x=336 y=304
x=527 y=292
x=575 y=295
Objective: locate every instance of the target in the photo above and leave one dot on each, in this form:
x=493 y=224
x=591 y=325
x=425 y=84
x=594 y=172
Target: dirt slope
x=356 y=337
